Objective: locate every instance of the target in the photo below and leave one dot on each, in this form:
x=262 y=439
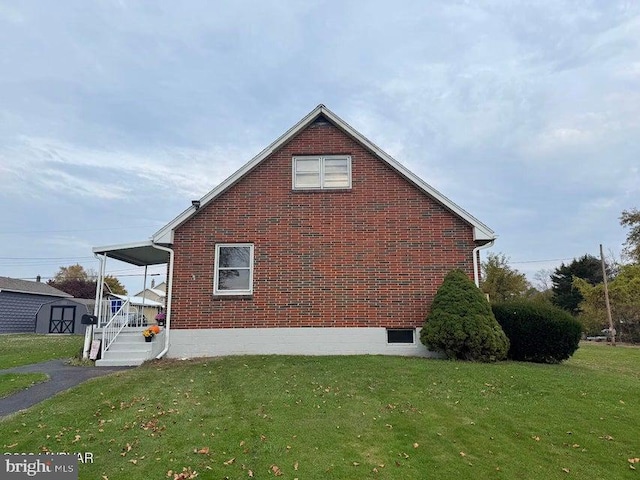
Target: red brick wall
x=370 y=256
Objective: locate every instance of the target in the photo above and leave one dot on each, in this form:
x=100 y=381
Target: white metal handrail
x=114 y=326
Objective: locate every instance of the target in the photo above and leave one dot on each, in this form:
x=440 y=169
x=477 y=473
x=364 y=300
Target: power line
x=44 y=258
x=542 y=261
x=18 y=232
x=106 y=274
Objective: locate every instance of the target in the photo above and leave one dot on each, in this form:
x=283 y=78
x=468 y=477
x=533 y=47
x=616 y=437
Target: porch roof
x=139 y=254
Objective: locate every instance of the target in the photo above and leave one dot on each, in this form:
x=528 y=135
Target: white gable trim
x=481 y=232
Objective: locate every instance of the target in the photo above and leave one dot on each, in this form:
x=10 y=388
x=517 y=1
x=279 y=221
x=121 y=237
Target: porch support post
x=101 y=287
x=88 y=333
x=144 y=290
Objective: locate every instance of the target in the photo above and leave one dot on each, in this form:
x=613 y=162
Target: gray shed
x=63 y=316
x=20 y=301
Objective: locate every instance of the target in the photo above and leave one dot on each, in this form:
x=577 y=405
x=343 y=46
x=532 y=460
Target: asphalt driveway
x=61 y=377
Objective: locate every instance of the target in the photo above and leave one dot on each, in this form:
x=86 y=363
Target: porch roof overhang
x=140 y=254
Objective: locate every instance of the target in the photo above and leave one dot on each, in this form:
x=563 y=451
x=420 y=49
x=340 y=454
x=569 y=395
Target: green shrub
x=537 y=332
x=461 y=324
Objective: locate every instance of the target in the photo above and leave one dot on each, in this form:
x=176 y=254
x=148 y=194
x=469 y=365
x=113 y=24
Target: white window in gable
x=233 y=274
x=317 y=173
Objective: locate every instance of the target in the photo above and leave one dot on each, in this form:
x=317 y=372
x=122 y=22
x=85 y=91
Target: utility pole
x=612 y=330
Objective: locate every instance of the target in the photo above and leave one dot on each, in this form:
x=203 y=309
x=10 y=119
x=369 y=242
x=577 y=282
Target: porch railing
x=114 y=326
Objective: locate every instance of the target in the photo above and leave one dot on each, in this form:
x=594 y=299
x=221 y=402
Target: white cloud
x=42 y=166
x=523 y=113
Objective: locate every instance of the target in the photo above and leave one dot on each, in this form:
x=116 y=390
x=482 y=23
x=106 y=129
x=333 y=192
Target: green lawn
x=24 y=349
x=349 y=418
x=14 y=382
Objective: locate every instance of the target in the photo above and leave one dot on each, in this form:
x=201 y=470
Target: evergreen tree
x=565 y=294
x=461 y=324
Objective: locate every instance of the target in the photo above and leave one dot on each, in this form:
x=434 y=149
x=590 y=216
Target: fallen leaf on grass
x=202 y=451
x=295 y=466
x=416 y=445
x=250 y=473
x=566 y=470
x=276 y=470
x=12 y=445
x=186 y=474
x=127 y=448
x=634 y=460
x=356 y=464
x=230 y=461
x=462 y=454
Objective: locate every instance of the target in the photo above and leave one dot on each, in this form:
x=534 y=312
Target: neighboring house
x=156 y=293
x=321 y=244
x=142 y=311
x=20 y=301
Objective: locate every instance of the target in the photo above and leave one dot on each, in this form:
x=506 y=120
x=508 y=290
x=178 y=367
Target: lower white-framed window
x=233 y=272
x=401 y=336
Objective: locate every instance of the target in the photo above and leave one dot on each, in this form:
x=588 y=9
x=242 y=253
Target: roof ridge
x=481 y=231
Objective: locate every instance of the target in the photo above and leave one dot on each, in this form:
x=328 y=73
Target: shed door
x=62 y=319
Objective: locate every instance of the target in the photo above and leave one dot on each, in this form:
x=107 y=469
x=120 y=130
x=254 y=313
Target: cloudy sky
x=114 y=115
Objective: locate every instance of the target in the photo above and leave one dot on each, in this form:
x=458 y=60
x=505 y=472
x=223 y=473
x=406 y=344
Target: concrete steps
x=130 y=348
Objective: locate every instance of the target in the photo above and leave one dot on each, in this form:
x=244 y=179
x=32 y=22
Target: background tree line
x=578 y=287
x=81 y=283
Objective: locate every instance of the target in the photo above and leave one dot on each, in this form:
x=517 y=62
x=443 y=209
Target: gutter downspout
x=169 y=295
x=476 y=267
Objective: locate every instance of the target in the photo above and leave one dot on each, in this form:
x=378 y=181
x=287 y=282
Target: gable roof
x=25 y=286
x=155 y=291
x=481 y=232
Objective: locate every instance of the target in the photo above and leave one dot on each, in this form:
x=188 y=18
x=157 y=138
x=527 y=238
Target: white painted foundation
x=289 y=341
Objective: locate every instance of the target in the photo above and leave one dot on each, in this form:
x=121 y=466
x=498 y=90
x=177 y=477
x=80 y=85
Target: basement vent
x=401 y=335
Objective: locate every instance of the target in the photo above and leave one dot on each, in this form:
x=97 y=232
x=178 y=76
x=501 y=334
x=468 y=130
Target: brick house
x=321 y=244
